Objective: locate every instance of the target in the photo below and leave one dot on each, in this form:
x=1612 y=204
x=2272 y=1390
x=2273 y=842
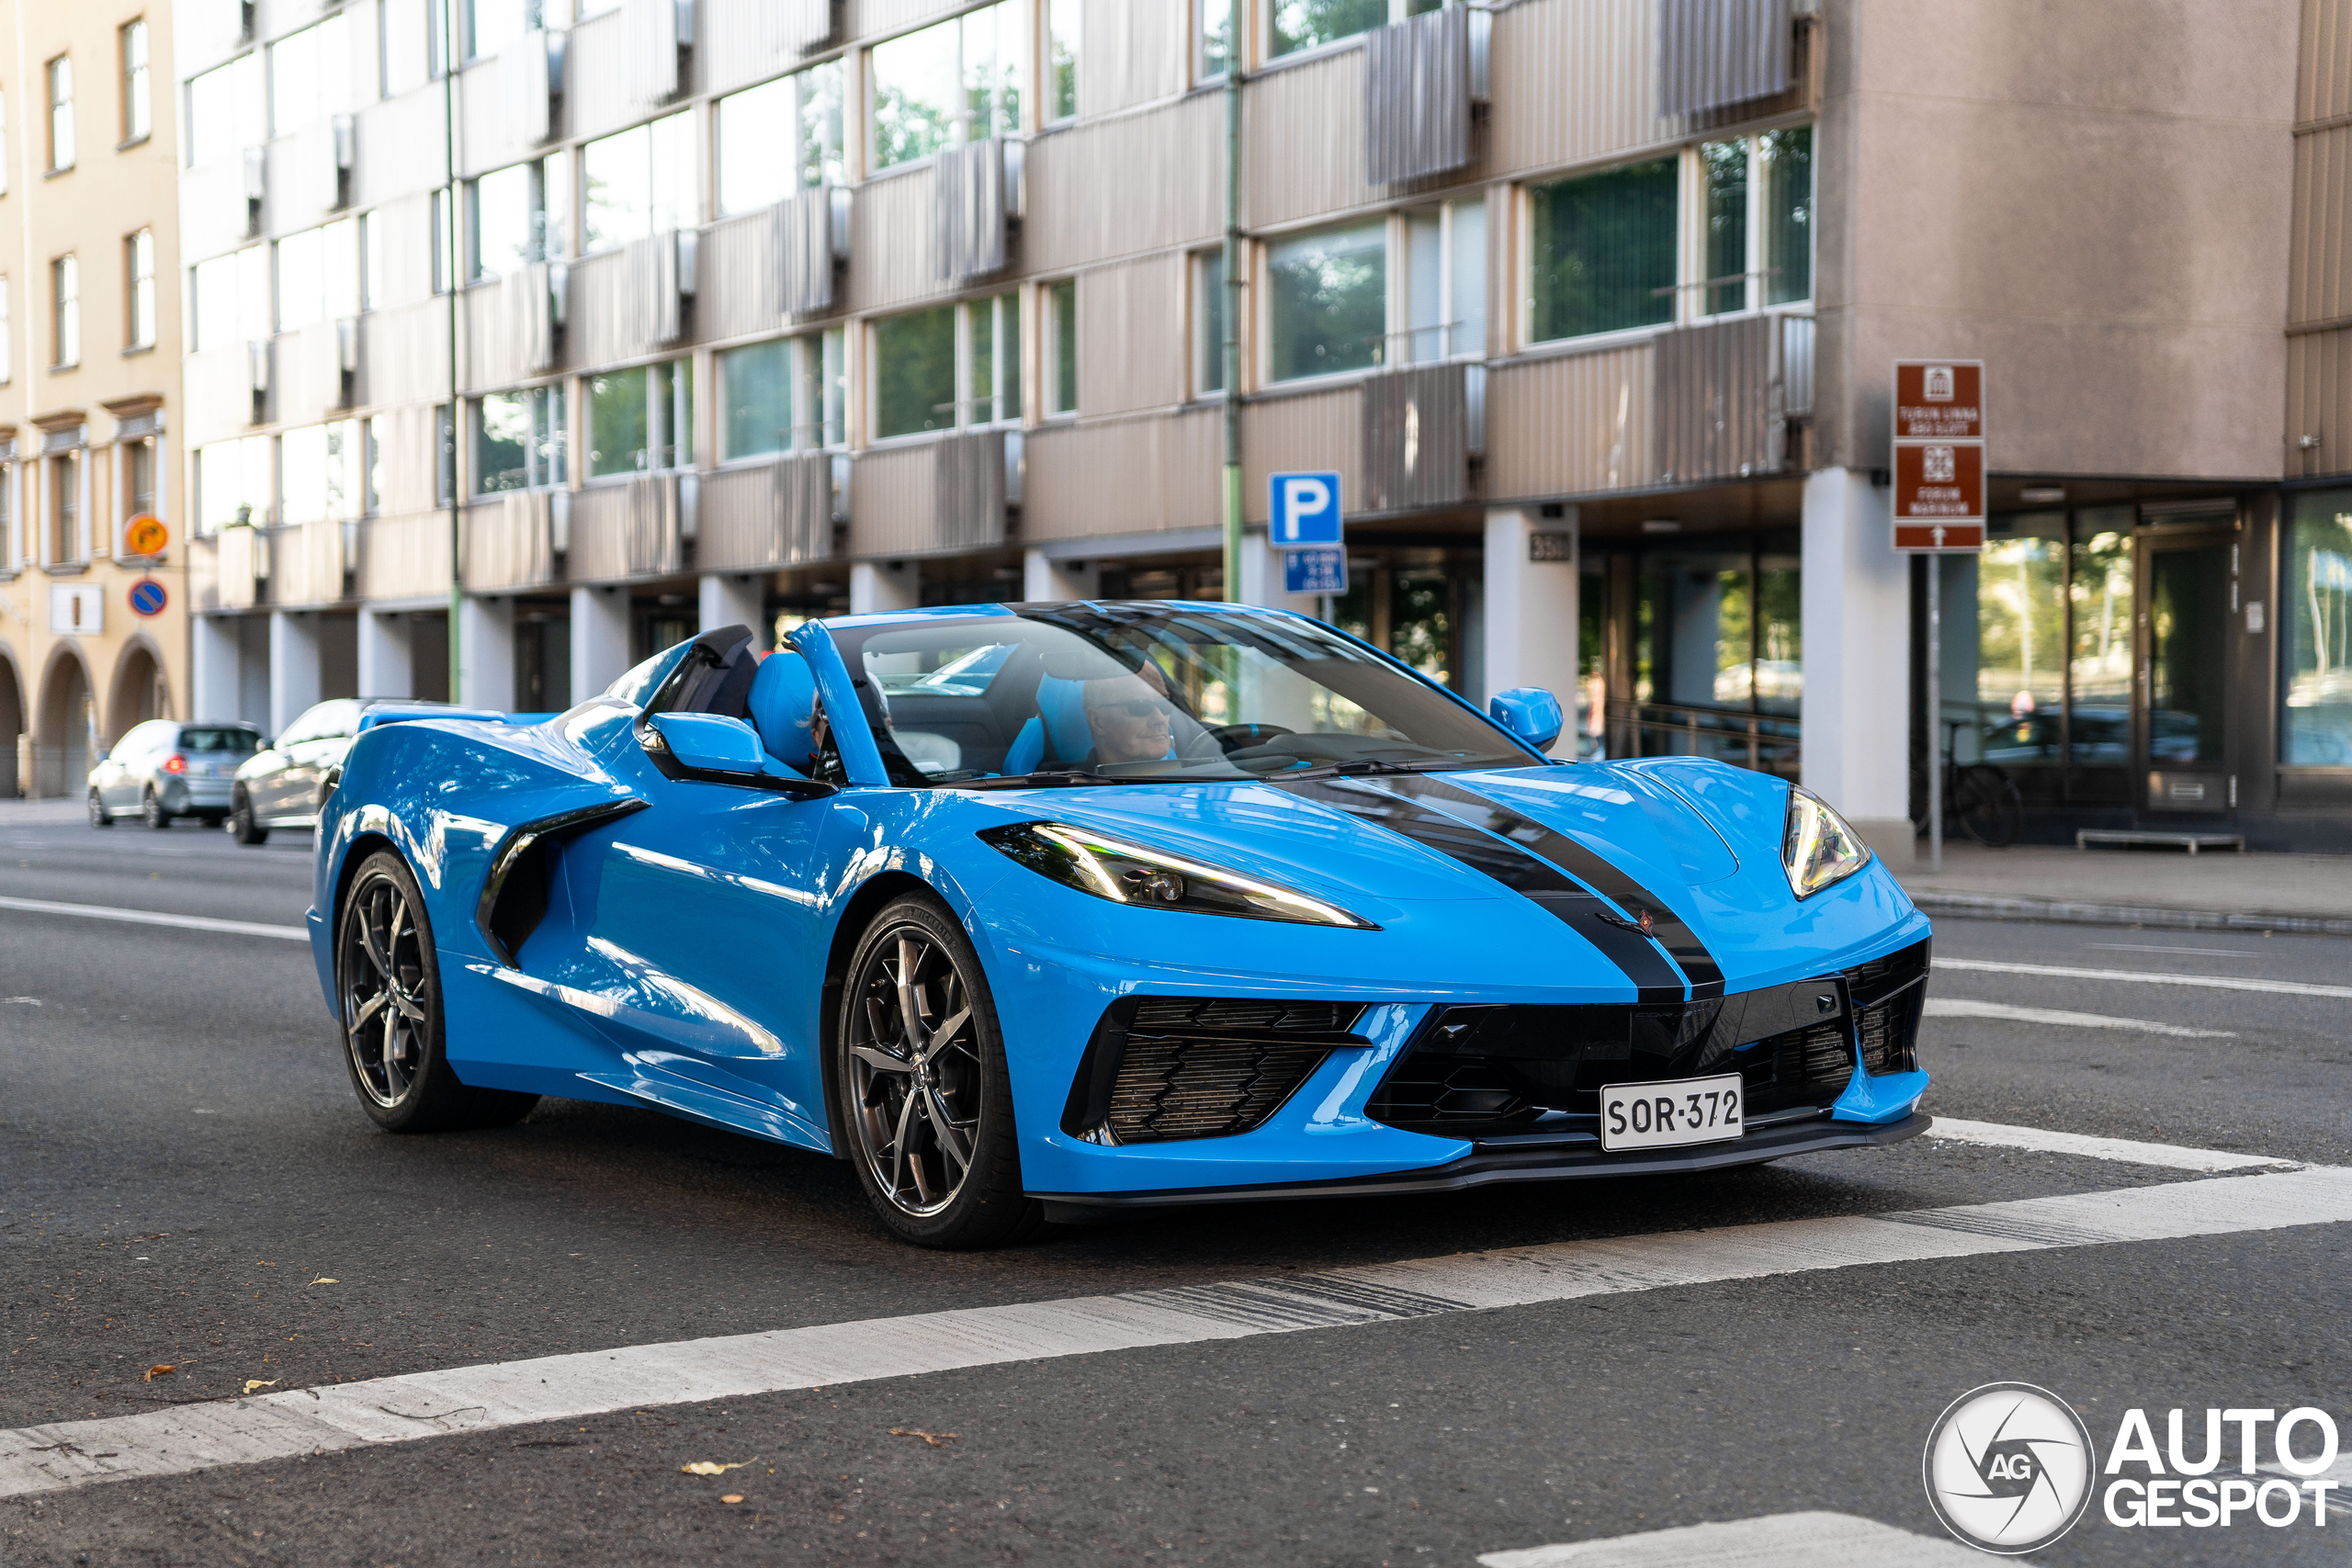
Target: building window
x=138 y=112
x=802 y=111
x=371 y=494
x=66 y=322
x=1327 y=304
x=516 y=217
x=232 y=483
x=8 y=335
x=1061 y=348
x=1061 y=60
x=1211 y=300
x=491 y=25
x=2315 y=730
x=61 y=113
x=958 y=81
x=371 y=262
x=138 y=479
x=1294 y=25
x=788 y=395
x=213 y=302
x=301 y=283
x=318 y=475
x=1213 y=35
x=224 y=109
x=309 y=74
x=639 y=182
x=1785 y=163
x=1601 y=251
x=1445 y=281
x=922 y=359
x=520 y=440
x=641 y=419
x=139 y=270
x=445 y=451
x=65 y=509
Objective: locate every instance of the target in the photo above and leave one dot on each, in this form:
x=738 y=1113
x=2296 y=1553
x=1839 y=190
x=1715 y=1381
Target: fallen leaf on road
x=933 y=1438
x=162 y=1368
x=263 y=1263
x=705 y=1467
x=253 y=1384
x=733 y=1497
x=323 y=1280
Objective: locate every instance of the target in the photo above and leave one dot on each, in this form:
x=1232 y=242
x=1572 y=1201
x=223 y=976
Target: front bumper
x=1547 y=1160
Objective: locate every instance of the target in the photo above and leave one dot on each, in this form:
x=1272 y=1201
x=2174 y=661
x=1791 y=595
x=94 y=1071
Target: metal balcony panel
x=1721 y=401
x=204 y=573
x=1569 y=423
x=969 y=232
x=627 y=302
x=812 y=231
x=217 y=396
x=302 y=188
x=1574 y=81
x=402 y=558
x=1417 y=437
x=651 y=28
x=1303 y=132
x=203 y=35
x=763 y=517
x=306 y=565
x=741 y=272
x=1417 y=97
x=1309 y=430
x=213 y=208
x=597 y=85
x=891 y=271
x=890 y=502
x=404 y=354
x=626 y=531
x=308 y=373
x=244 y=562
x=1141 y=475
x=508 y=544
x=967 y=489
x=1087 y=204
x=1131 y=335
x=529 y=65
x=742 y=41
x=1713 y=54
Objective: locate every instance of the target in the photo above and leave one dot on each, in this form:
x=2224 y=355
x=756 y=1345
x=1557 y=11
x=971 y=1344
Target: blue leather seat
x=1061 y=716
x=782 y=703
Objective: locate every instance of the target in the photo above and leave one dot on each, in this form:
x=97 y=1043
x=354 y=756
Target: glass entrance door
x=2181 y=731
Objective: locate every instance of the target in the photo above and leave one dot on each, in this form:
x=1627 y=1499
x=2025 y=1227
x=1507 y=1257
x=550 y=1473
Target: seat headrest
x=783 y=705
x=1062 y=704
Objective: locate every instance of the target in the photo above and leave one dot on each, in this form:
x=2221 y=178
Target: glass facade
x=958 y=81
x=2315 y=633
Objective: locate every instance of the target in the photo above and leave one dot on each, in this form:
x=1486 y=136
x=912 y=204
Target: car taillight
x=176 y=763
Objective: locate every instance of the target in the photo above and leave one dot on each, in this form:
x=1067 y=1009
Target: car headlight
x=1818 y=847
x=1128 y=872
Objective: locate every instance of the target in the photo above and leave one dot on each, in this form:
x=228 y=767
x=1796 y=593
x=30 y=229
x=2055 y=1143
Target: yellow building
x=89 y=385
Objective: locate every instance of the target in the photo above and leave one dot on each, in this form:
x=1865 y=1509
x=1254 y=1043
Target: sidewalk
x=15 y=813
x=2214 y=891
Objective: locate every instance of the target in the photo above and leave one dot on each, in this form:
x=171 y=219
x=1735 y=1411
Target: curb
x=1983 y=905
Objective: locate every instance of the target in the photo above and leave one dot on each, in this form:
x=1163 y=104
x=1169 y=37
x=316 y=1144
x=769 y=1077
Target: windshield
x=1153 y=692
x=236 y=743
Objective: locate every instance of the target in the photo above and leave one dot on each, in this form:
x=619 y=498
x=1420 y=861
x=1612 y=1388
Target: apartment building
x=631 y=316
x=89 y=379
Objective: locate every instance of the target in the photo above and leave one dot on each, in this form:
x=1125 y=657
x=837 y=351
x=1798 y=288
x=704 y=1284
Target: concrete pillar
x=386 y=669
x=1043 y=581
x=599 y=640
x=735 y=599
x=293 y=666
x=1262 y=580
x=1857 y=709
x=486 y=653
x=876 y=586
x=1531 y=613
x=214 y=677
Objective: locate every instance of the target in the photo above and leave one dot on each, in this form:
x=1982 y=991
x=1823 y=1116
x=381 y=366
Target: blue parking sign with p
x=1307 y=509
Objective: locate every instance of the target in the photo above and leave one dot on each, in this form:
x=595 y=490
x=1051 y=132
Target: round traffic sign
x=147 y=595
x=145 y=534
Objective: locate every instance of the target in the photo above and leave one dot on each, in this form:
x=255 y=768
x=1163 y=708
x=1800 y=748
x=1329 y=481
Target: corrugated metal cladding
x=1417 y=97
x=212 y=209
x=1303 y=135
x=890 y=509
x=629 y=529
x=2323 y=73
x=2317 y=289
x=1312 y=430
x=738 y=42
x=529 y=69
x=775 y=514
x=968 y=215
x=506 y=542
x=397 y=139
x=651 y=28
x=889 y=271
x=2319 y=401
x=216 y=397
x=306 y=564
x=483 y=142
x=410 y=463
x=301 y=178
x=1131 y=335
x=310 y=373
x=1134 y=53
x=402 y=558
x=1721 y=401
x=1123 y=475
x=626 y=302
x=1569 y=423
x=599 y=90
x=204 y=574
x=235 y=559
x=805 y=249
x=1087 y=204
x=1416 y=438
x=736 y=266
x=967 y=489
x=1711 y=54
x=403 y=353
x=1574 y=81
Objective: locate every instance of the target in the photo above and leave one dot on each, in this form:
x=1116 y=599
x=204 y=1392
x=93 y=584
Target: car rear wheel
x=99 y=816
x=924 y=1097
x=151 y=812
x=242 y=826
x=387 y=978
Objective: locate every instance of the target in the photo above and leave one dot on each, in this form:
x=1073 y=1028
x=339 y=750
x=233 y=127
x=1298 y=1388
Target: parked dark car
x=164 y=769
x=281 y=786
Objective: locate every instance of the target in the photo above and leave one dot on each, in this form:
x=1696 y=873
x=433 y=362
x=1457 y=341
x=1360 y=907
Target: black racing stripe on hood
x=1586 y=866
x=1577 y=906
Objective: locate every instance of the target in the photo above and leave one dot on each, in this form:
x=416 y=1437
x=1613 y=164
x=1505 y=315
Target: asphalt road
x=184 y=1180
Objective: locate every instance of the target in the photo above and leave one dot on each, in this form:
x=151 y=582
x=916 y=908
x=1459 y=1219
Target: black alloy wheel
x=242 y=826
x=925 y=1105
x=151 y=812
x=388 y=979
x=99 y=816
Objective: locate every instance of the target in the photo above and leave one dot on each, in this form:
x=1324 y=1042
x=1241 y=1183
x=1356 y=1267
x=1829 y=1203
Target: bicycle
x=1979 y=796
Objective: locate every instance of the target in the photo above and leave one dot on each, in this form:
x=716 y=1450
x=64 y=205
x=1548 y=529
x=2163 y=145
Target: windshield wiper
x=1051 y=780
x=1369 y=765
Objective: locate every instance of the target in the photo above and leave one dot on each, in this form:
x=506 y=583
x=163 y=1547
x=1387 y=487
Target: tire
x=387 y=986
x=151 y=812
x=242 y=826
x=910 y=1094
x=99 y=816
x=1988 y=805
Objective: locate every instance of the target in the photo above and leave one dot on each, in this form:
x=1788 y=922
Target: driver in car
x=1130 y=717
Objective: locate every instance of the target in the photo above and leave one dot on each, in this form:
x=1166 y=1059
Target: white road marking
x=558 y=1388
x=1777 y=1541
x=2151 y=947
x=2172 y=1157
x=155 y=918
x=1960 y=1006
x=2141 y=977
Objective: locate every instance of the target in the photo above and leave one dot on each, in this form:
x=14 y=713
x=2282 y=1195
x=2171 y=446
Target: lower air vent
x=1167 y=1068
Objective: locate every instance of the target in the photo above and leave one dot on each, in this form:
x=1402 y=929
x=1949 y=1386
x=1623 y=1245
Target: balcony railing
x=1770 y=743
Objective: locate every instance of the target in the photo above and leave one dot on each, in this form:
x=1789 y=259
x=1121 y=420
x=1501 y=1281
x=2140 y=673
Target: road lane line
x=1777 y=1541
x=2143 y=978
x=2173 y=1157
x=1960 y=1006
x=155 y=918
x=189 y=1438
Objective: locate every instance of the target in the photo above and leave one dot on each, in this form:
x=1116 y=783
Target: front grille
x=1167 y=1068
x=1488 y=1071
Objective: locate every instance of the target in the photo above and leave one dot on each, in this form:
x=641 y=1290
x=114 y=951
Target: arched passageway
x=61 y=728
x=138 y=692
x=12 y=727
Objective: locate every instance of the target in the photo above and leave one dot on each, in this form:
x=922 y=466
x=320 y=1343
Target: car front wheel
x=923 y=1094
x=242 y=826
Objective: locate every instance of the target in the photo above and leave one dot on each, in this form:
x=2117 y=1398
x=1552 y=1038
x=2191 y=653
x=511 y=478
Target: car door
x=123 y=775
x=264 y=778
x=326 y=736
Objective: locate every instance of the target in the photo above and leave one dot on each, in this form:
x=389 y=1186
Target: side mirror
x=1531 y=713
x=723 y=750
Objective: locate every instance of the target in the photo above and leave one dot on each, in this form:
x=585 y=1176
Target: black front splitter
x=1491 y=1163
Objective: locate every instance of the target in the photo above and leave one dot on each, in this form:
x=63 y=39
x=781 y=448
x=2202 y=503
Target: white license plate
x=1665 y=1115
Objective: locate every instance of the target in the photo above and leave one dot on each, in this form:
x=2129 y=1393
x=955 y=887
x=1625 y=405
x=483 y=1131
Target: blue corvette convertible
x=1037 y=911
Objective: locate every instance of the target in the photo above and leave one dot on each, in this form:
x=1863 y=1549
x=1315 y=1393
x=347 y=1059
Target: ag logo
x=2008 y=1468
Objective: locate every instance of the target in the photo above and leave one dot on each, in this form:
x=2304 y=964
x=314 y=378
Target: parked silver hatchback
x=163 y=769
x=282 y=784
